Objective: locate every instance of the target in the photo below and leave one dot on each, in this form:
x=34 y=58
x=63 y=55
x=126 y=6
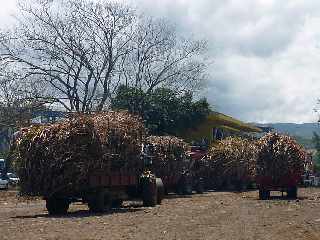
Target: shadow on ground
x=85 y=213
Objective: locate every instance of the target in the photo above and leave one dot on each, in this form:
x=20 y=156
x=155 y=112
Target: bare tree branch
x=74 y=45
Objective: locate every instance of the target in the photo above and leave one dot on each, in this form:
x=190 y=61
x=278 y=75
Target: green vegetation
x=316 y=140
x=163 y=110
x=307 y=143
x=167 y=112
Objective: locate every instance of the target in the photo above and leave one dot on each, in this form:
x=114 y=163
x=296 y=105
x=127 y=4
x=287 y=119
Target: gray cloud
x=266 y=53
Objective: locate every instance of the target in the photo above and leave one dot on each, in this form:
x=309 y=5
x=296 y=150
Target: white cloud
x=7 y=9
x=266 y=53
x=280 y=88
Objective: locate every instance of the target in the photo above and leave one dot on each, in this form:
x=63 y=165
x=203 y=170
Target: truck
x=184 y=182
x=287 y=183
x=280 y=165
x=175 y=164
x=197 y=167
x=105 y=190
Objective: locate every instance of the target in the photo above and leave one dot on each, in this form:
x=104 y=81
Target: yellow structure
x=218 y=123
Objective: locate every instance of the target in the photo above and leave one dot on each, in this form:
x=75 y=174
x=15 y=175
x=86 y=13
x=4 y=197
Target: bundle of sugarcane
x=169 y=154
x=278 y=156
x=231 y=162
x=121 y=135
x=62 y=155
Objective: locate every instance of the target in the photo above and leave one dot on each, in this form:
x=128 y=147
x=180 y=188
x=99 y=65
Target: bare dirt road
x=215 y=215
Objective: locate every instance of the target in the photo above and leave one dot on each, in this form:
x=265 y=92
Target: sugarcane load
x=93 y=157
x=171 y=162
x=231 y=164
x=280 y=165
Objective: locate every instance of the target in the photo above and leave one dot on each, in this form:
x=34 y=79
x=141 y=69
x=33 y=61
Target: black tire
x=100 y=201
x=295 y=192
x=200 y=187
x=187 y=190
x=238 y=186
x=261 y=194
x=57 y=206
x=117 y=203
x=160 y=190
x=267 y=194
x=264 y=194
x=292 y=192
x=184 y=186
x=149 y=193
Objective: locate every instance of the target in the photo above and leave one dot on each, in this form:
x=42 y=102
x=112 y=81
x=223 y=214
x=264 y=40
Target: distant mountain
x=304 y=130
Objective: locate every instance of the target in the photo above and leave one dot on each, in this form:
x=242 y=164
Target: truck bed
x=284 y=182
x=114 y=179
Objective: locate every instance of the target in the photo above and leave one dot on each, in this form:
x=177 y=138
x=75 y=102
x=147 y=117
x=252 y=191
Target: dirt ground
x=215 y=215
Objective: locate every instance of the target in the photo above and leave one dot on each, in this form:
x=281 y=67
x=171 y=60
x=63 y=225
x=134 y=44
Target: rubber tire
x=261 y=194
x=117 y=203
x=57 y=206
x=264 y=194
x=187 y=190
x=238 y=186
x=268 y=194
x=292 y=192
x=160 y=190
x=200 y=187
x=149 y=193
x=184 y=187
x=100 y=202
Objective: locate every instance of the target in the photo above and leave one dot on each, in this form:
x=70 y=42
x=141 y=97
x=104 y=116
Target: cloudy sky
x=266 y=53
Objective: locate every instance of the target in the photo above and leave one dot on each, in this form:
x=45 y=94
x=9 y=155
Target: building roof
x=221 y=121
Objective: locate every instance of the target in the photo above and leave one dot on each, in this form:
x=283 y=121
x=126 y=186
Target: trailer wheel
x=160 y=190
x=261 y=194
x=200 y=187
x=187 y=189
x=292 y=192
x=149 y=193
x=264 y=194
x=184 y=186
x=238 y=185
x=268 y=194
x=100 y=201
x=117 y=203
x=57 y=206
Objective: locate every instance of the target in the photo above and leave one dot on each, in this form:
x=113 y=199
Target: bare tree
x=80 y=51
x=18 y=99
x=73 y=45
x=162 y=57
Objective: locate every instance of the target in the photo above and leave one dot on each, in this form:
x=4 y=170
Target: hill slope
x=304 y=130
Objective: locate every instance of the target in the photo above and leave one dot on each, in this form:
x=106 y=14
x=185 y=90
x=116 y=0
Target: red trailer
x=103 y=191
x=286 y=183
x=184 y=177
x=198 y=163
x=179 y=183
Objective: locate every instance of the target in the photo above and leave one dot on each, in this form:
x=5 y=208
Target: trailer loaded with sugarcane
x=97 y=159
x=280 y=165
x=230 y=164
x=173 y=162
x=103 y=159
